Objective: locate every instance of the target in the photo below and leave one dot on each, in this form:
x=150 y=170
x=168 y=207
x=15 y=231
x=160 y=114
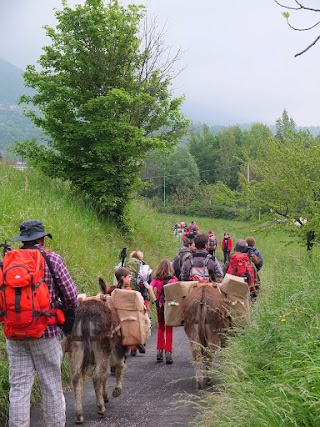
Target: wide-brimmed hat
x=31 y=230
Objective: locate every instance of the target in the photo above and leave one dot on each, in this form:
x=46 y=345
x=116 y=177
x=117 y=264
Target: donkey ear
x=102 y=286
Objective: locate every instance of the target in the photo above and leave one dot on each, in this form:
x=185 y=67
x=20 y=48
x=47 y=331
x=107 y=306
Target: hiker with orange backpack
x=240 y=265
x=35 y=283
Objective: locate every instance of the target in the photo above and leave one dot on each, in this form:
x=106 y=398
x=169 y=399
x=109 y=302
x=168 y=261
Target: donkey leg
x=100 y=376
x=197 y=358
x=77 y=380
x=120 y=370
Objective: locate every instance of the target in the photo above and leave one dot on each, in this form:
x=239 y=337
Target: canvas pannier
x=135 y=323
x=174 y=296
x=237 y=292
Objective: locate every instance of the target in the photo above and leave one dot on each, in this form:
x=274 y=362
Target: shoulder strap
x=48 y=262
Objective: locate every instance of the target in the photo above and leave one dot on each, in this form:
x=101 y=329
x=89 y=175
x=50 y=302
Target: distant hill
x=11 y=83
x=14 y=126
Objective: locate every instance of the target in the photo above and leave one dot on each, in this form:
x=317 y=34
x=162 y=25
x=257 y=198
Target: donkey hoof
x=79 y=419
x=101 y=410
x=116 y=392
x=106 y=398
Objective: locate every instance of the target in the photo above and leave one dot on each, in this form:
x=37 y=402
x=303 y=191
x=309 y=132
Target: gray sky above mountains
x=238 y=59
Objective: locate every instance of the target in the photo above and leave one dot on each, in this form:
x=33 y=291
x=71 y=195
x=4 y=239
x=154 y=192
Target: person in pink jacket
x=164 y=274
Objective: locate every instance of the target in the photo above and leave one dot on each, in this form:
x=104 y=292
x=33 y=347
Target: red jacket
x=229 y=246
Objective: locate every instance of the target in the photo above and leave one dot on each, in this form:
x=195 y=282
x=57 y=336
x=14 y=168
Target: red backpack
x=240 y=266
x=24 y=296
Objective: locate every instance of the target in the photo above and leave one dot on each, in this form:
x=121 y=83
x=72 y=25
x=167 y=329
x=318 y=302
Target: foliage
x=104 y=101
x=286 y=181
x=202 y=145
x=284 y=124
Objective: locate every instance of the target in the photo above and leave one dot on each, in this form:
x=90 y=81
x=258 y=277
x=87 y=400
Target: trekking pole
x=5 y=248
x=123 y=255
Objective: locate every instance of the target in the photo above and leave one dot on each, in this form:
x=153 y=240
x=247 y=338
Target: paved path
x=154 y=394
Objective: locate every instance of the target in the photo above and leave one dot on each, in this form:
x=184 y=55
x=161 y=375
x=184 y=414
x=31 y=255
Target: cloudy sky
x=238 y=55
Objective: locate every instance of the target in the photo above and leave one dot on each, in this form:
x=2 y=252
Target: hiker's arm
x=152 y=294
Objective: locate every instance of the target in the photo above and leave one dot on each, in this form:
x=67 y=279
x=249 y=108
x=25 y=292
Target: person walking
x=187 y=249
x=226 y=245
x=163 y=274
x=201 y=266
x=213 y=243
x=42 y=355
x=143 y=280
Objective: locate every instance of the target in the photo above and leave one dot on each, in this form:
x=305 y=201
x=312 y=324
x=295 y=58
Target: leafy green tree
x=228 y=157
x=284 y=124
x=103 y=99
x=287 y=181
x=202 y=146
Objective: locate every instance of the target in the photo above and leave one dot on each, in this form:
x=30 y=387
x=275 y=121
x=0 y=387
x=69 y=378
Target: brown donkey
x=95 y=342
x=206 y=318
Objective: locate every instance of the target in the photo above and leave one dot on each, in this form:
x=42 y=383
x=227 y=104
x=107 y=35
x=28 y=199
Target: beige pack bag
x=135 y=323
x=237 y=292
x=174 y=296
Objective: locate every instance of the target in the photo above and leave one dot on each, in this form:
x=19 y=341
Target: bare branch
x=300 y=6
x=302 y=29
x=308 y=47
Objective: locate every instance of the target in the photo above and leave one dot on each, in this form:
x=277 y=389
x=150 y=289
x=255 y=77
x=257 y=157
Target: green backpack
x=133 y=264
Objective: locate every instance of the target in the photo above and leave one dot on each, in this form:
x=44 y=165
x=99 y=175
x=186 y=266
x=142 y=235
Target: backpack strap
x=48 y=262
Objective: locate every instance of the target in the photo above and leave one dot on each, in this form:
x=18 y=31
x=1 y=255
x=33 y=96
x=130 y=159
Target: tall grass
x=271 y=372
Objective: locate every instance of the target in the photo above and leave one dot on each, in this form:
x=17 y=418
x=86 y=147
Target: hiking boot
x=133 y=352
x=169 y=360
x=160 y=356
x=141 y=348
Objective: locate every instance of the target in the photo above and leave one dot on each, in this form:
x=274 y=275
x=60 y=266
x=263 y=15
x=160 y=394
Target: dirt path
x=154 y=394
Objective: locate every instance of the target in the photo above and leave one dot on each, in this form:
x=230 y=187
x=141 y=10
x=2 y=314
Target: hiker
x=193 y=228
x=239 y=265
x=254 y=254
x=226 y=245
x=213 y=243
x=123 y=278
x=201 y=266
x=163 y=274
x=143 y=279
x=42 y=355
x=187 y=249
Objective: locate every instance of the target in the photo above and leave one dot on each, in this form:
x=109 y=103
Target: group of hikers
x=33 y=340
x=195 y=261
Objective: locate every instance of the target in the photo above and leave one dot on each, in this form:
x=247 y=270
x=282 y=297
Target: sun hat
x=31 y=230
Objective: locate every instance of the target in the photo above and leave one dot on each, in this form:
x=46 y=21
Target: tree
x=284 y=124
x=299 y=6
x=202 y=146
x=287 y=181
x=102 y=97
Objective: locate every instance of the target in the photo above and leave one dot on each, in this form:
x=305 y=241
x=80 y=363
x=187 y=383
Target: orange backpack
x=24 y=296
x=240 y=266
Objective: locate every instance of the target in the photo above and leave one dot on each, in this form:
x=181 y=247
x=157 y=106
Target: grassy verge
x=271 y=372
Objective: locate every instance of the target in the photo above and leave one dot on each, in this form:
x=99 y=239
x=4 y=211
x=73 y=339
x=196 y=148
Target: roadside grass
x=271 y=371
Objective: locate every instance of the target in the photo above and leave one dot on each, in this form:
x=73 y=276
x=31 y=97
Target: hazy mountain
x=11 y=83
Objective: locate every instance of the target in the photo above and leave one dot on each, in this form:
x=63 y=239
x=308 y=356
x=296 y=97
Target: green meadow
x=269 y=373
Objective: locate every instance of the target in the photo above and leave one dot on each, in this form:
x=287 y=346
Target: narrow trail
x=154 y=394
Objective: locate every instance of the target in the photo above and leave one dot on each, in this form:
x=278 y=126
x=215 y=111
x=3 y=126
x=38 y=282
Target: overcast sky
x=238 y=59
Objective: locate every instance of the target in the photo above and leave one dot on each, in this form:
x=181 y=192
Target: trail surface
x=154 y=394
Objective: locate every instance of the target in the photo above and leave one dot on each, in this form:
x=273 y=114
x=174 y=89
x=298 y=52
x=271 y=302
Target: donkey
x=96 y=342
x=206 y=319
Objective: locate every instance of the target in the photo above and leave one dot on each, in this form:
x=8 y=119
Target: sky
x=237 y=62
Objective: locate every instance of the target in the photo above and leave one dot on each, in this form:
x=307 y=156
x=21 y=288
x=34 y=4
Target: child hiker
x=163 y=274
